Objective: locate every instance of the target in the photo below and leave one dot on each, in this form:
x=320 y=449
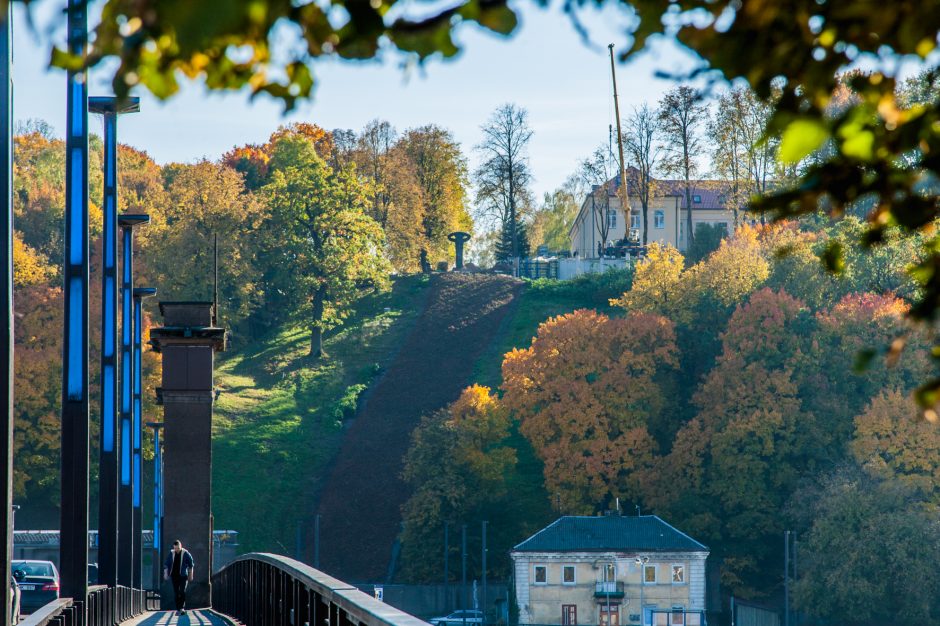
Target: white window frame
x=635 y=220
x=659 y=219
x=611 y=218
x=647 y=566
x=672 y=574
x=535 y=574
x=574 y=575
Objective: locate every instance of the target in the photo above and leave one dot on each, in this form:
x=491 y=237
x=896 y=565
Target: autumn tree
x=584 y=392
x=682 y=117
x=643 y=149
x=326 y=245
x=441 y=173
x=503 y=177
x=458 y=464
x=893 y=441
x=203 y=200
x=657 y=283
x=553 y=218
x=853 y=519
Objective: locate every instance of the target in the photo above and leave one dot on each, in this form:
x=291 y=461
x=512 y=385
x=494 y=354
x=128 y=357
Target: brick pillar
x=188 y=343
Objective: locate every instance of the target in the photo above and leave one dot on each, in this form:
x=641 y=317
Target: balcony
x=608 y=589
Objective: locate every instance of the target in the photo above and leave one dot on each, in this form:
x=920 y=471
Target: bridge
x=254 y=589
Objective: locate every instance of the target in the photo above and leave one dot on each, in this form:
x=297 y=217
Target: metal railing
x=612 y=587
x=105 y=606
x=269 y=590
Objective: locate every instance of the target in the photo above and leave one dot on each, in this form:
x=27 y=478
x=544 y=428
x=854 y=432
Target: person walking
x=179 y=567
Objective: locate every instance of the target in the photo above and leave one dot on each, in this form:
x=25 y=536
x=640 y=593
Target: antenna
x=215 y=279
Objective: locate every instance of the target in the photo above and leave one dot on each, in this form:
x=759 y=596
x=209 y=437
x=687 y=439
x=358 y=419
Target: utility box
x=188 y=342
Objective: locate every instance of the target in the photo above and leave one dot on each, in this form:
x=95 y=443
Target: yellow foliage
x=657 y=283
x=29 y=266
x=736 y=269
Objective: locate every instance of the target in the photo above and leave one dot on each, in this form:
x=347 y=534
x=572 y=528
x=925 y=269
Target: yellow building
x=667 y=215
x=610 y=571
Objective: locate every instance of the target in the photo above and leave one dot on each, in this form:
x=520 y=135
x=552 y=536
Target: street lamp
x=641 y=562
x=129 y=555
x=137 y=411
x=157 y=502
x=110 y=107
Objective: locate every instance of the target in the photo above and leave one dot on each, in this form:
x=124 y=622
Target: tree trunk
x=316 y=327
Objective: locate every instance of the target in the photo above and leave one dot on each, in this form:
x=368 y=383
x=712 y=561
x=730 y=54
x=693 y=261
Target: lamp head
x=144 y=292
x=111 y=104
x=132 y=219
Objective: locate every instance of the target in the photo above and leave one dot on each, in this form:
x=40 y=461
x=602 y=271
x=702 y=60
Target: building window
x=541 y=575
x=649 y=574
x=721 y=199
x=610 y=573
x=634 y=220
x=681 y=230
x=678 y=574
x=611 y=218
x=567 y=575
x=697 y=199
x=569 y=615
x=659 y=219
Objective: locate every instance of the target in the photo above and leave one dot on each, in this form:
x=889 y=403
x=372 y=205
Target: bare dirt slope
x=362 y=497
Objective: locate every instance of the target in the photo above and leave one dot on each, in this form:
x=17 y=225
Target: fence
x=105 y=606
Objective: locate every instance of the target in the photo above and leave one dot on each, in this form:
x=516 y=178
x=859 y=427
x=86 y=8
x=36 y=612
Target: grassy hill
x=281 y=419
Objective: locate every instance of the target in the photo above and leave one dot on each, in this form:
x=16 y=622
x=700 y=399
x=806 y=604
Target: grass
x=279 y=416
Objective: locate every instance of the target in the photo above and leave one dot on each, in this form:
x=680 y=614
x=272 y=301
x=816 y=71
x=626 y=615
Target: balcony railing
x=608 y=588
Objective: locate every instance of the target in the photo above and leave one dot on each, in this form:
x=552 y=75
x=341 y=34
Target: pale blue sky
x=546 y=68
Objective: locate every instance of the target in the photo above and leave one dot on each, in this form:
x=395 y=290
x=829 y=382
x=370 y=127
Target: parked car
x=458 y=618
x=38 y=582
x=14 y=601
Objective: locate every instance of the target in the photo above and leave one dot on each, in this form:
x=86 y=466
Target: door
x=610 y=616
x=569 y=615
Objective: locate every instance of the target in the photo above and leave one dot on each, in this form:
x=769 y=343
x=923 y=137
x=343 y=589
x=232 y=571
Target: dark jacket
x=186 y=563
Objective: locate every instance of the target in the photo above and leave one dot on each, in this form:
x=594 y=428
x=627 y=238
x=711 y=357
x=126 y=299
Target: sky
x=546 y=68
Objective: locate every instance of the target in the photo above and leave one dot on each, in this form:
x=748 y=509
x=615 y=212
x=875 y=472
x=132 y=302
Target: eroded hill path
x=361 y=500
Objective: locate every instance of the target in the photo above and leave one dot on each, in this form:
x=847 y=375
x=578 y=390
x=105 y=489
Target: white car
x=459 y=618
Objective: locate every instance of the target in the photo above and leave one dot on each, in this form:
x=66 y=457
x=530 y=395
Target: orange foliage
x=584 y=392
x=321 y=139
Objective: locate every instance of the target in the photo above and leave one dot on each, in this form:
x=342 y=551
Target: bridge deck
x=196 y=617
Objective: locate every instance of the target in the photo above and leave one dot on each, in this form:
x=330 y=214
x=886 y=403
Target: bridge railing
x=261 y=589
x=106 y=606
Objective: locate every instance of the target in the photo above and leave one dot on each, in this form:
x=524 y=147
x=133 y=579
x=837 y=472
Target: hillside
x=284 y=426
x=361 y=501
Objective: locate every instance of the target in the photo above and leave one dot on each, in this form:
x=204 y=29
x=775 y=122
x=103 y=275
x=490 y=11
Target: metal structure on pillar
x=137 y=411
x=109 y=467
x=6 y=293
x=127 y=555
x=459 y=238
x=73 y=547
x=157 y=502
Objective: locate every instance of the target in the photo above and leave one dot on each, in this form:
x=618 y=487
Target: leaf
x=800 y=138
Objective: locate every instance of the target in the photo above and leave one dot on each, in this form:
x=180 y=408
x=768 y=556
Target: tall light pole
x=157 y=502
x=641 y=562
x=6 y=295
x=127 y=555
x=110 y=108
x=137 y=411
x=73 y=546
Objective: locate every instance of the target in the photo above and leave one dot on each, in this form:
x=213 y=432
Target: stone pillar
x=188 y=343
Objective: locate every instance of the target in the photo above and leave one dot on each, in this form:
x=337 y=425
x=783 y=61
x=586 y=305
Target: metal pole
x=128 y=556
x=786 y=578
x=484 y=570
x=316 y=541
x=157 y=483
x=73 y=546
x=138 y=547
x=6 y=293
x=446 y=555
x=463 y=571
x=796 y=613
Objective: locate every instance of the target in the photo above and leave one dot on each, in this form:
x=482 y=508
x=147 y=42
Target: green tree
x=328 y=249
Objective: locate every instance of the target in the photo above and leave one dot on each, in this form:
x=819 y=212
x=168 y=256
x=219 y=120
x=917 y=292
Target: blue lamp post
x=73 y=548
x=110 y=108
x=126 y=530
x=157 y=502
x=139 y=294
